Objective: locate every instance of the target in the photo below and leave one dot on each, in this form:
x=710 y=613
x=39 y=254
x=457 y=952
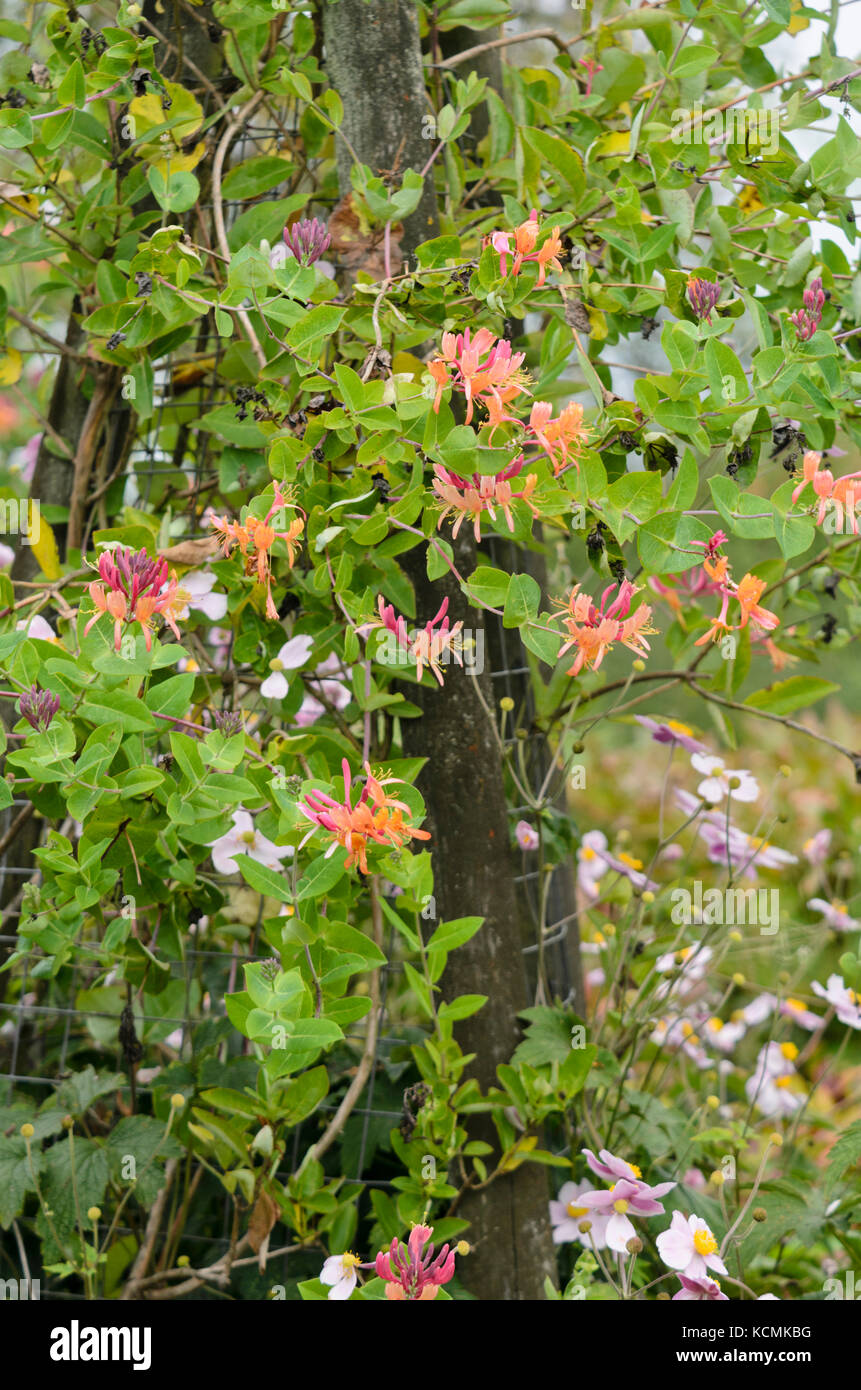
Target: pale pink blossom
x=688 y=1245
x=242 y=838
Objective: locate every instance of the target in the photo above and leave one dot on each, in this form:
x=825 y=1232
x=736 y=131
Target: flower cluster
x=703 y=295
x=307 y=241
x=376 y=818
x=484 y=368
x=746 y=594
x=482 y=492
x=844 y=493
x=410 y=1272
x=807 y=320
x=525 y=243
x=38 y=707
x=134 y=588
x=592 y=630
x=426 y=646
x=562 y=438
x=255 y=539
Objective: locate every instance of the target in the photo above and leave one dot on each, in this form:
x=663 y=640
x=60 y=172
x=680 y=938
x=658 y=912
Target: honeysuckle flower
x=525 y=241
x=845 y=1001
x=484 y=368
x=38 y=707
x=37 y=627
x=410 y=1271
x=720 y=781
x=291 y=657
x=375 y=818
x=747 y=593
x=242 y=838
x=688 y=1245
x=526 y=836
x=671 y=731
x=795 y=1010
x=567 y=1214
x=844 y=494
x=340 y=1272
x=562 y=438
x=592 y=630
x=815 y=850
x=703 y=295
x=255 y=538
x=134 y=588
x=426 y=646
x=625 y=1196
x=703 y=1290
x=195 y=591
x=806 y=320
x=480 y=493
x=835 y=914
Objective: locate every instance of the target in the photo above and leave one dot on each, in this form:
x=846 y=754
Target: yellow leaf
x=617 y=142
x=148 y=112
x=14 y=197
x=10 y=366
x=598 y=325
x=798 y=21
x=405 y=363
x=179 y=163
x=45 y=548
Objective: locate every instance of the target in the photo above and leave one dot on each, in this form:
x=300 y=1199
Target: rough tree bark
x=373 y=59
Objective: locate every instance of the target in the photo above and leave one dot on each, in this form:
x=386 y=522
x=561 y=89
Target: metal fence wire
x=46 y=1029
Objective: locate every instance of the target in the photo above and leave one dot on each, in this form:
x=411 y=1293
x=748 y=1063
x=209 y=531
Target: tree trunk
x=373 y=59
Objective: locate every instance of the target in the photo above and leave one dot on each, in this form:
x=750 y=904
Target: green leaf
x=255 y=176
x=312 y=330
x=263 y=879
x=449 y=935
x=321 y=875
x=664 y=542
x=521 y=600
x=117 y=708
x=798 y=692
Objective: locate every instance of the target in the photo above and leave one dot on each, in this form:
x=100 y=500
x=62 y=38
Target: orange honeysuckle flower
x=560 y=437
x=480 y=493
x=844 y=493
x=525 y=240
x=748 y=593
x=255 y=538
x=376 y=818
x=594 y=630
x=484 y=368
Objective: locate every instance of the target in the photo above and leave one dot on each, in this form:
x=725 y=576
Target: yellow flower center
x=349 y=1261
x=756 y=842
x=716 y=1024
x=276 y=665
x=576 y=1211
x=687 y=1030
x=783 y=1082
x=634 y=1169
x=795 y=1005
x=248 y=837
x=837 y=905
x=631 y=862
x=705 y=1243
x=599 y=938
x=588 y=853
x=678 y=728
x=621 y=1206
x=789 y=1050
